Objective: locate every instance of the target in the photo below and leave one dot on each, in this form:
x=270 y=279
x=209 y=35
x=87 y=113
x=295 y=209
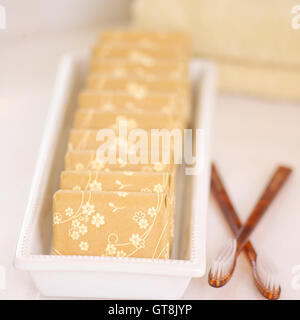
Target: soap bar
x=96 y=119
x=145 y=39
x=87 y=160
x=144 y=56
x=130 y=69
x=88 y=140
x=169 y=104
x=115 y=224
x=117 y=181
x=138 y=88
x=122 y=181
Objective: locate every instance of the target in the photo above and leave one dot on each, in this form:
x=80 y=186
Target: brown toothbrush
x=223 y=267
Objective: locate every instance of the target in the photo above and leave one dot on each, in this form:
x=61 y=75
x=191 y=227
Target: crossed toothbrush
x=264 y=274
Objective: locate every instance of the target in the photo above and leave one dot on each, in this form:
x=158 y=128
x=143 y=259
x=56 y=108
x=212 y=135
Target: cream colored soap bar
x=95 y=119
x=123 y=181
x=138 y=88
x=88 y=140
x=145 y=39
x=163 y=103
x=117 y=181
x=114 y=224
x=87 y=160
x=143 y=56
x=131 y=69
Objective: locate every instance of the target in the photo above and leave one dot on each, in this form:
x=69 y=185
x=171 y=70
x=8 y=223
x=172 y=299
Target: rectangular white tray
x=106 y=277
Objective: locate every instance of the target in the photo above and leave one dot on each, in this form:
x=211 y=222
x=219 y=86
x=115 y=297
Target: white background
x=251 y=138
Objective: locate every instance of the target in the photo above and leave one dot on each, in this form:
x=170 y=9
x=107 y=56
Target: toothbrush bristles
x=222 y=266
x=268 y=281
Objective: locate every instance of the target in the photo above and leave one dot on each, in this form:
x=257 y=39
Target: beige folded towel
x=254 y=42
x=266 y=82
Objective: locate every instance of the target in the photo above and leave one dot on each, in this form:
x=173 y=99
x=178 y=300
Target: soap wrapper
x=95 y=119
x=143 y=56
x=146 y=39
x=129 y=69
x=168 y=104
x=116 y=181
x=121 y=181
x=129 y=149
x=88 y=160
x=111 y=224
x=138 y=88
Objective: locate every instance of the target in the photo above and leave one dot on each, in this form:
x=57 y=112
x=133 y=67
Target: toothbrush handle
x=277 y=181
x=230 y=214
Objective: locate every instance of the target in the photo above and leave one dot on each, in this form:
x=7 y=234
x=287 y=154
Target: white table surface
x=251 y=137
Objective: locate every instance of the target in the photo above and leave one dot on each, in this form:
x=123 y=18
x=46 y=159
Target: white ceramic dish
x=105 y=277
